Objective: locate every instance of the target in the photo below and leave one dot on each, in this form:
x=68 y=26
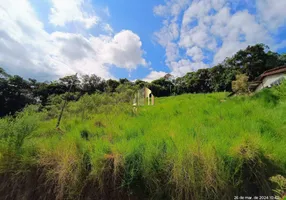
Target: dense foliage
x=16 y=93
x=192 y=146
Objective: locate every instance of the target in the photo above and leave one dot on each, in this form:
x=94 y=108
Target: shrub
x=240 y=85
x=268 y=97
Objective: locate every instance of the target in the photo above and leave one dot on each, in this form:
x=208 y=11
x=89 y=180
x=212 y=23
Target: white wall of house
x=269 y=80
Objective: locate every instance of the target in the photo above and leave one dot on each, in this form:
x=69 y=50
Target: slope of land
x=195 y=146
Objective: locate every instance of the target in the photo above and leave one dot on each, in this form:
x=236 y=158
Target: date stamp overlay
x=257 y=198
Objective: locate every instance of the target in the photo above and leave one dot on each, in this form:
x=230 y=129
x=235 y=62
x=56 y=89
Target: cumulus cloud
x=124 y=50
x=88 y=55
x=66 y=11
x=23 y=42
x=184 y=66
x=154 y=75
x=208 y=31
x=28 y=50
x=240 y=30
x=72 y=46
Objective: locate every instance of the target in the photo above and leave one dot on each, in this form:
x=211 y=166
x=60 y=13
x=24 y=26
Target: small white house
x=269 y=78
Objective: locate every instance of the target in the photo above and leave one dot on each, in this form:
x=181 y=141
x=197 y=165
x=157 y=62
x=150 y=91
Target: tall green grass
x=195 y=146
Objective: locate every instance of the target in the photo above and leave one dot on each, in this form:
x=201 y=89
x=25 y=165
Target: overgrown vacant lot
x=196 y=146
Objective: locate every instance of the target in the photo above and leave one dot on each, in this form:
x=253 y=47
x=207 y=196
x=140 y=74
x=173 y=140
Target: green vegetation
x=192 y=146
x=16 y=92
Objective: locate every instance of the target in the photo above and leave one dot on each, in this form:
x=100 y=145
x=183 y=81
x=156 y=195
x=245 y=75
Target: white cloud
x=220 y=21
x=172 y=52
x=184 y=66
x=197 y=36
x=72 y=46
x=28 y=50
x=272 y=12
x=197 y=9
x=196 y=53
x=23 y=42
x=216 y=29
x=160 y=10
x=123 y=50
x=169 y=32
x=66 y=11
x=172 y=8
x=96 y=54
x=237 y=32
x=154 y=75
x=228 y=49
x=166 y=36
x=218 y=4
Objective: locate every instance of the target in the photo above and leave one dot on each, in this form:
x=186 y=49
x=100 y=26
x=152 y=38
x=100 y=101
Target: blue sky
x=134 y=39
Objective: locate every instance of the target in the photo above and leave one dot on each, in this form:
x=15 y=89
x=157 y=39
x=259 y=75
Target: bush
x=268 y=96
x=240 y=85
x=280 y=90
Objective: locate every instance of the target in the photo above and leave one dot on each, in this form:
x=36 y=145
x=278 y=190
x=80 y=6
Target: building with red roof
x=268 y=79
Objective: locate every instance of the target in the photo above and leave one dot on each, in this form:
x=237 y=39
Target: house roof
x=276 y=70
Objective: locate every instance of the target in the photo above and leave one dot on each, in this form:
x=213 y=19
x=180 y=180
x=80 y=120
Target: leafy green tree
x=221 y=77
x=111 y=85
x=203 y=81
x=253 y=61
x=140 y=84
x=123 y=80
x=161 y=87
x=91 y=84
x=15 y=94
x=67 y=81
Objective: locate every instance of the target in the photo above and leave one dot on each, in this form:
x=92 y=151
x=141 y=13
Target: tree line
x=17 y=92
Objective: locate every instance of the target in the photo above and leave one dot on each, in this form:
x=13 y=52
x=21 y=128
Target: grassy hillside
x=196 y=146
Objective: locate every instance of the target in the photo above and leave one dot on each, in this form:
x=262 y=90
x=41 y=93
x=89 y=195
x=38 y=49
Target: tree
x=91 y=84
x=282 y=59
x=203 y=80
x=161 y=87
x=221 y=77
x=111 y=85
x=272 y=60
x=123 y=81
x=180 y=85
x=140 y=84
x=253 y=60
x=69 y=80
x=15 y=94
